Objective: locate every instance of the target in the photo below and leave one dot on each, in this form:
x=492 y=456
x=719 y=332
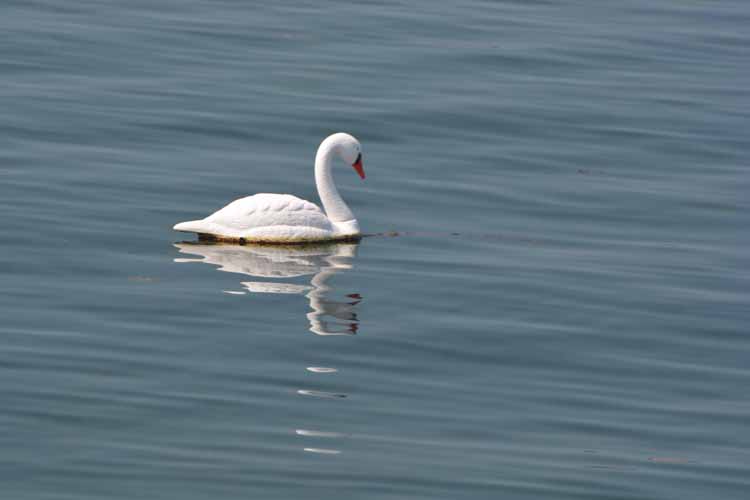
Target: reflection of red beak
x=358 y=166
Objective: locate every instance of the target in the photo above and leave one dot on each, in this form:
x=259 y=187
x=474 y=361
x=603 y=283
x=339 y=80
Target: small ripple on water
x=323 y=451
x=321 y=369
x=324 y=434
x=669 y=460
x=321 y=394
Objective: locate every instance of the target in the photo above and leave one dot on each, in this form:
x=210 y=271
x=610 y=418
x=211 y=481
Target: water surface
x=554 y=303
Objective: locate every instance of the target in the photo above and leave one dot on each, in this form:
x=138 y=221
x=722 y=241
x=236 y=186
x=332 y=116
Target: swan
x=283 y=218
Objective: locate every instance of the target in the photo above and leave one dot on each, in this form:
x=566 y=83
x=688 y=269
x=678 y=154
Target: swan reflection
x=327 y=316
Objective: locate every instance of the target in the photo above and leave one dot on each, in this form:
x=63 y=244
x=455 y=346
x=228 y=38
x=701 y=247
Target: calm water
x=563 y=315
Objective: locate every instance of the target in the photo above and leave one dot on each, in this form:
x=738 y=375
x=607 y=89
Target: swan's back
x=266 y=206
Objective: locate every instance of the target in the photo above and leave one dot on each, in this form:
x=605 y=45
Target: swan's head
x=349 y=150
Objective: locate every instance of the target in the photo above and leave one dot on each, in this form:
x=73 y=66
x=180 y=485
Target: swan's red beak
x=358 y=166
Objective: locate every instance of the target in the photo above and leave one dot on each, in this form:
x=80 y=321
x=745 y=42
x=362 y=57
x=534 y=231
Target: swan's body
x=283 y=218
x=271 y=218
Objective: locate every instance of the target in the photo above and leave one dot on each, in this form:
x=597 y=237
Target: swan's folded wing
x=264 y=210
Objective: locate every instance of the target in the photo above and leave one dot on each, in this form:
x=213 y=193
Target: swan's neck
x=334 y=206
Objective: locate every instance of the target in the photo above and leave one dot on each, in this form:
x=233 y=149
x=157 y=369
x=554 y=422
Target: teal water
x=553 y=304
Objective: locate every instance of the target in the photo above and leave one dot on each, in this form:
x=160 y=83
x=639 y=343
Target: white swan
x=283 y=218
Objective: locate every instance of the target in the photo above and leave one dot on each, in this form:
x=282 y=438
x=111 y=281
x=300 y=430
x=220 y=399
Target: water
x=555 y=304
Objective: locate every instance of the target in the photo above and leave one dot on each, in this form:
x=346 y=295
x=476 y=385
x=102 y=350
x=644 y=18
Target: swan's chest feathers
x=265 y=210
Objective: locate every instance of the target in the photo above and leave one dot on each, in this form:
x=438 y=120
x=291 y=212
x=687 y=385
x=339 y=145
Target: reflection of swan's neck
x=342 y=320
x=319 y=283
x=336 y=262
x=335 y=207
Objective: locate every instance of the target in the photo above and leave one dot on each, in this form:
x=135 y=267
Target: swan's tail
x=192 y=226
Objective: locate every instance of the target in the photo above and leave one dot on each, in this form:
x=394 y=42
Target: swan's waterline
x=276 y=241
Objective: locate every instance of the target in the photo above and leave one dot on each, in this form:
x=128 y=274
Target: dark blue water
x=555 y=303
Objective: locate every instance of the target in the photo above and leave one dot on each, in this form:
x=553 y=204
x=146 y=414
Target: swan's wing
x=247 y=215
x=265 y=209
